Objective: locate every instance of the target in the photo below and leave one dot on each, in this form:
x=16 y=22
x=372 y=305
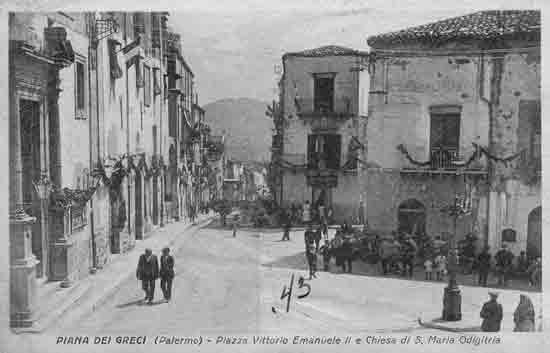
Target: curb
x=435 y=326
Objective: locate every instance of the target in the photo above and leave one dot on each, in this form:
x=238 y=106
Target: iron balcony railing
x=338 y=107
x=443 y=158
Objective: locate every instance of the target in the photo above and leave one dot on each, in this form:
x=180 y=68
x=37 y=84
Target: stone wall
x=496 y=95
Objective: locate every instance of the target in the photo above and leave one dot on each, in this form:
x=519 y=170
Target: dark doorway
x=29 y=113
x=155 y=200
x=139 y=211
x=411 y=217
x=118 y=218
x=534 y=233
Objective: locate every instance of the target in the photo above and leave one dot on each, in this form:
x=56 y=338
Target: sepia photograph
x=274 y=176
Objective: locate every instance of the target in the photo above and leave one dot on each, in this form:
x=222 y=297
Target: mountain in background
x=246 y=128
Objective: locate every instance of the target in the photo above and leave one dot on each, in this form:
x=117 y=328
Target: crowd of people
x=402 y=253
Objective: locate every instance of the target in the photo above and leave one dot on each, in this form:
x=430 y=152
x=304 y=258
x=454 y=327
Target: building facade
x=317 y=140
x=97 y=115
x=454 y=113
x=215 y=156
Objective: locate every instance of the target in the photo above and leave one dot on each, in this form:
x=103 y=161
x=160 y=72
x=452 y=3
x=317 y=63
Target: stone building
x=215 y=156
x=49 y=168
x=92 y=142
x=454 y=110
x=321 y=94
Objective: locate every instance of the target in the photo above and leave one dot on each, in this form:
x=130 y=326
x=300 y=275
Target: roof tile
x=328 y=50
x=478 y=25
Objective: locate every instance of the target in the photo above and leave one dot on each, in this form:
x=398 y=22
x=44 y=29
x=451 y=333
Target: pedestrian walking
x=524 y=316
x=504 y=261
x=347 y=255
x=311 y=257
x=428 y=268
x=483 y=266
x=322 y=214
x=317 y=238
x=309 y=237
x=535 y=273
x=522 y=264
x=286 y=230
x=441 y=266
x=148 y=272
x=235 y=225
x=324 y=227
x=491 y=313
x=408 y=256
x=306 y=213
x=166 y=273
x=326 y=253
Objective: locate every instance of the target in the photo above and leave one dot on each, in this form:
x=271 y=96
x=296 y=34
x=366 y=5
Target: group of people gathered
x=507 y=266
x=340 y=248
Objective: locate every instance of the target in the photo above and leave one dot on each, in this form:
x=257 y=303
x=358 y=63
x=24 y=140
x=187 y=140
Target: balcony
x=322 y=177
x=339 y=108
x=444 y=158
x=445 y=161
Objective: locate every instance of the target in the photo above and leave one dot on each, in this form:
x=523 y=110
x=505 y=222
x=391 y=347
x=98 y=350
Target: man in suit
x=166 y=273
x=147 y=272
x=491 y=313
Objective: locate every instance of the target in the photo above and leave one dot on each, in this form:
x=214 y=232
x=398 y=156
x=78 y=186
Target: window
x=155 y=32
x=139 y=73
x=80 y=90
x=147 y=86
x=324 y=151
x=323 y=92
x=535 y=147
x=444 y=136
x=116 y=71
x=139 y=24
x=156 y=82
x=155 y=142
x=529 y=134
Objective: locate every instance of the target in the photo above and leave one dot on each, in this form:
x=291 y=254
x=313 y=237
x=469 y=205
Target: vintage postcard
x=274 y=176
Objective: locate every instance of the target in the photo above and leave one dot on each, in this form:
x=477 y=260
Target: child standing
x=428 y=268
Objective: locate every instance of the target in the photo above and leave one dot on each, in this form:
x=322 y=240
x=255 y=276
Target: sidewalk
x=85 y=295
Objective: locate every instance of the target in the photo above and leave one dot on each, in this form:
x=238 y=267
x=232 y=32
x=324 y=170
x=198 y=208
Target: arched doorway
x=411 y=217
x=534 y=233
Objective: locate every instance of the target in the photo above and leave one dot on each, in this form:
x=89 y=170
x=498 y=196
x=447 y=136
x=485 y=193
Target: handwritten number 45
x=288 y=293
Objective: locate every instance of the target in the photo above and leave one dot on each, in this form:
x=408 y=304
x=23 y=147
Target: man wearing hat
x=147 y=272
x=166 y=273
x=491 y=313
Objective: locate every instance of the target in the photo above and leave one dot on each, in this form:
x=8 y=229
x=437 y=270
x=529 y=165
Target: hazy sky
x=234 y=45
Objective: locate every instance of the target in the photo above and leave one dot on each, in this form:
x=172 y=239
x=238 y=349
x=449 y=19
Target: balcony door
x=323 y=93
x=324 y=151
x=444 y=136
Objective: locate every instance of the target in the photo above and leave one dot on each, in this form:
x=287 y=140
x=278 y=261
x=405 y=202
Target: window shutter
x=116 y=71
x=311 y=155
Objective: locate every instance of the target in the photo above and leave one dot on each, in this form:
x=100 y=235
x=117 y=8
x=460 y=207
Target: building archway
x=411 y=217
x=534 y=233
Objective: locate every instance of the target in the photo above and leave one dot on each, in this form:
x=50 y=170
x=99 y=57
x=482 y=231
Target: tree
x=223 y=208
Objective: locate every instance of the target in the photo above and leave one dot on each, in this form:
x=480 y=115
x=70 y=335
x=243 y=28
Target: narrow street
x=227 y=285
